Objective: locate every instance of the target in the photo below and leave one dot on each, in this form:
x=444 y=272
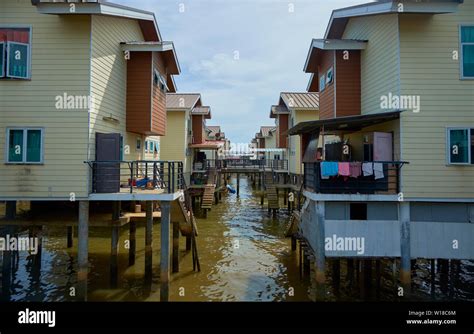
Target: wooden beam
x=148 y=241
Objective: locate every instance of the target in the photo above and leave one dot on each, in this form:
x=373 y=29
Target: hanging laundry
x=355 y=169
x=328 y=168
x=344 y=169
x=367 y=168
x=378 y=171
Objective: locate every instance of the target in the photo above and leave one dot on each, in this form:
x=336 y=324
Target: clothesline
x=351 y=169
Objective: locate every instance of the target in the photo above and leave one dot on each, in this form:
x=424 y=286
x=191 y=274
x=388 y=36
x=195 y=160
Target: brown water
x=244 y=256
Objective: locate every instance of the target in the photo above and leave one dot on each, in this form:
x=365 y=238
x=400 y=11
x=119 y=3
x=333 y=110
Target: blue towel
x=328 y=168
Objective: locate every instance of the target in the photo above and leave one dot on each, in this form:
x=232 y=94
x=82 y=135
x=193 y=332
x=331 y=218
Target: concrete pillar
x=175 y=247
x=320 y=242
x=132 y=243
x=148 y=241
x=405 y=258
x=83 y=249
x=165 y=251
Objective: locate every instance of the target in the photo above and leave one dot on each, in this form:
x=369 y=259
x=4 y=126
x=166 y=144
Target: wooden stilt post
x=188 y=243
x=175 y=247
x=114 y=256
x=377 y=278
x=38 y=234
x=405 y=264
x=238 y=184
x=10 y=209
x=132 y=243
x=83 y=249
x=336 y=274
x=165 y=251
x=261 y=198
x=70 y=236
x=350 y=270
x=6 y=269
x=293 y=243
x=148 y=241
x=285 y=197
x=306 y=264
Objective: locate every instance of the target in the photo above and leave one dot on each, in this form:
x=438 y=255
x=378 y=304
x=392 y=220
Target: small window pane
x=459 y=146
x=467 y=34
x=33 y=146
x=2 y=62
x=15 y=147
x=468 y=60
x=472 y=146
x=18 y=60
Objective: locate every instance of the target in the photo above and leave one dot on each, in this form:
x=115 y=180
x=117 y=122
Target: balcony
x=388 y=184
x=136 y=177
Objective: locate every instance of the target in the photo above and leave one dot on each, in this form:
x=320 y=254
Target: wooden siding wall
x=379 y=61
x=429 y=71
x=326 y=97
x=109 y=80
x=158 y=116
x=347 y=78
x=198 y=129
x=60 y=64
x=139 y=81
x=282 y=128
x=173 y=145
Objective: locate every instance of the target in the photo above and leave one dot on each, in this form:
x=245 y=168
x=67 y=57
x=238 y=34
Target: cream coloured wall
x=60 y=49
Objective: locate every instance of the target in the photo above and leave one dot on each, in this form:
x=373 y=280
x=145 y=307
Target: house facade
x=395 y=82
x=79 y=82
x=293 y=108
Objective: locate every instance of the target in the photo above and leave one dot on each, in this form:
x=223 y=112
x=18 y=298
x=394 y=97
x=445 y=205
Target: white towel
x=367 y=168
x=378 y=170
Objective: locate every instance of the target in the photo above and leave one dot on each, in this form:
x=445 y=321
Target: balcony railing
x=136 y=176
x=388 y=184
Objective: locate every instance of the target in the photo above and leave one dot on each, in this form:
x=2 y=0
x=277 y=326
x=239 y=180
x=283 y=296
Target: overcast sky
x=240 y=54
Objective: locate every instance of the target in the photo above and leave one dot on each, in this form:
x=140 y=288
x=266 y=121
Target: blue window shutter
x=2 y=59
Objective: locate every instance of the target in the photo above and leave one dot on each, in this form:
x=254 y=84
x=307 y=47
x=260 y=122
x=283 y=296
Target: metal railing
x=388 y=184
x=134 y=176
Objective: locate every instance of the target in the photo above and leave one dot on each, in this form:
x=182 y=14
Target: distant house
x=265 y=141
x=84 y=85
x=293 y=108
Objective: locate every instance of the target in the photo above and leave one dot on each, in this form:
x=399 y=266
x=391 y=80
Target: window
x=139 y=143
x=460 y=146
x=151 y=147
x=467 y=51
x=329 y=76
x=322 y=82
x=159 y=80
x=15 y=53
x=147 y=143
x=25 y=146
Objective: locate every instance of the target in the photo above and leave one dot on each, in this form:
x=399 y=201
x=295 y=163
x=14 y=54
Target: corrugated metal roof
x=265 y=130
x=301 y=100
x=182 y=101
x=213 y=130
x=204 y=110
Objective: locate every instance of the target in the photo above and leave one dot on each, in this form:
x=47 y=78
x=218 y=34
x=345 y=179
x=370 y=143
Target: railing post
x=173 y=177
x=169 y=177
x=131 y=177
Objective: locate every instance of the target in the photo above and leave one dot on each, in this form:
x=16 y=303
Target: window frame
x=25 y=145
x=30 y=35
x=448 y=147
x=461 y=62
x=322 y=82
x=2 y=68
